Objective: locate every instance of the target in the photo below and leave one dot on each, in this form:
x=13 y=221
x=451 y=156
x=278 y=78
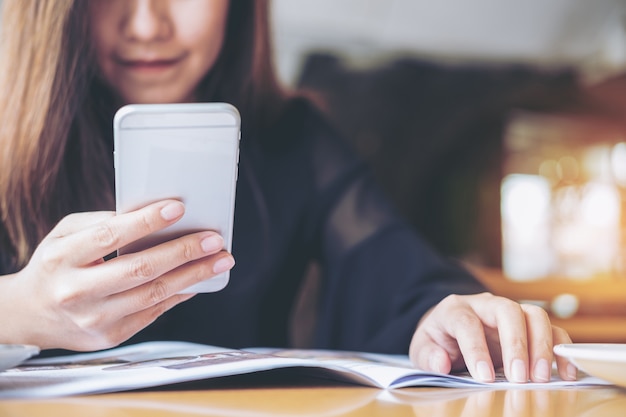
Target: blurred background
x=497 y=127
x=589 y=35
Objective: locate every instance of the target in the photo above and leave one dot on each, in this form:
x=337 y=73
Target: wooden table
x=320 y=401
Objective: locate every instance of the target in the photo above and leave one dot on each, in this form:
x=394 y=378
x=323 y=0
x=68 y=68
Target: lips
x=148 y=64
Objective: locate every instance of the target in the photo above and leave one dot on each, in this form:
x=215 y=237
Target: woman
x=302 y=196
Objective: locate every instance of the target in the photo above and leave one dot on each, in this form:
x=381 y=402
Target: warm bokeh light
x=586 y=230
x=596 y=161
x=568 y=169
x=525 y=208
x=555 y=225
x=562 y=198
x=525 y=201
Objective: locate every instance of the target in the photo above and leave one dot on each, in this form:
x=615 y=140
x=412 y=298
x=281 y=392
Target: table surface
x=332 y=401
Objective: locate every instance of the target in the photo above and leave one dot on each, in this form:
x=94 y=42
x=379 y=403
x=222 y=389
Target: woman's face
x=156 y=51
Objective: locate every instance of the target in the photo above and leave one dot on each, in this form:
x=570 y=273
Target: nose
x=146 y=20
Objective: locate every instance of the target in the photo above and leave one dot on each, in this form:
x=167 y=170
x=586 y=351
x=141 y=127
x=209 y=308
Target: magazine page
x=396 y=371
x=131 y=367
x=153 y=364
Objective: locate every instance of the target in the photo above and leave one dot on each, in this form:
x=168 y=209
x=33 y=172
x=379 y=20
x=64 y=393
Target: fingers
x=542 y=337
x=525 y=337
x=135 y=269
x=100 y=320
x=427 y=355
x=101 y=238
x=451 y=333
x=539 y=332
x=469 y=332
x=485 y=329
x=168 y=285
x=512 y=331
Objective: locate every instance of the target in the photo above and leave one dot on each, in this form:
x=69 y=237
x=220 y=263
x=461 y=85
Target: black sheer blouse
x=302 y=197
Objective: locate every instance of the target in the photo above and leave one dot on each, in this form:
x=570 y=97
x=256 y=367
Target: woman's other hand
x=483 y=332
x=69 y=297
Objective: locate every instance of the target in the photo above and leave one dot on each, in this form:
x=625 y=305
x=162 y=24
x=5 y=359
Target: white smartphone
x=188 y=152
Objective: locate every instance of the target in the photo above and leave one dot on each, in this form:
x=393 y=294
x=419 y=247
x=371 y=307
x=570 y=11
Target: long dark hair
x=55 y=134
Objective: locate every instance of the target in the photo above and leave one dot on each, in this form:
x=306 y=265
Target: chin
x=153 y=100
x=157 y=97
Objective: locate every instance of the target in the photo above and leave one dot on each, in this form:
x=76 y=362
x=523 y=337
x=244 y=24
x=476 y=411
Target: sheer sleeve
x=379 y=277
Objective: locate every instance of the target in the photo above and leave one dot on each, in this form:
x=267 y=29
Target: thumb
x=427 y=355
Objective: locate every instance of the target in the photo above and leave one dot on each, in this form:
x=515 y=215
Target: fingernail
x=518 y=371
x=483 y=370
x=212 y=243
x=223 y=265
x=572 y=372
x=172 y=211
x=541 y=373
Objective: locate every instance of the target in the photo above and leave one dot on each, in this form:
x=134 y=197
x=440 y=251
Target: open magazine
x=154 y=364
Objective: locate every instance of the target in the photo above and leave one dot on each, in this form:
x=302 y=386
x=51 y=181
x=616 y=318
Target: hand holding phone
x=188 y=152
